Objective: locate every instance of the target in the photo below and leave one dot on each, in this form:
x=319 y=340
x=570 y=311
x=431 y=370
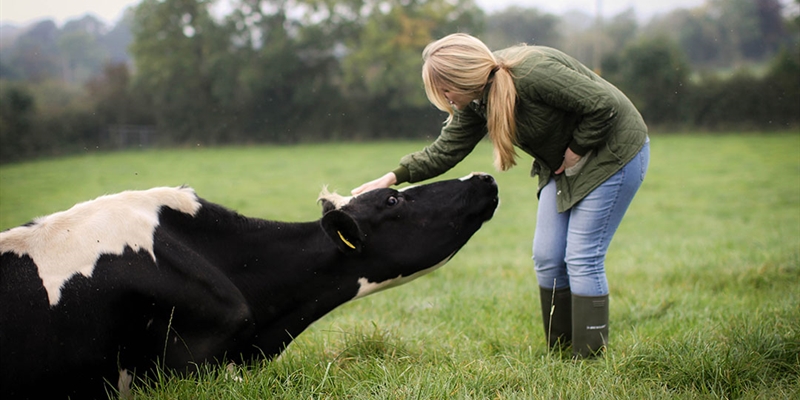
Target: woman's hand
x=570 y=159
x=383 y=182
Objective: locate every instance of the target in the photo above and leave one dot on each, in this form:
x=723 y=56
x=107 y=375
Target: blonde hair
x=464 y=65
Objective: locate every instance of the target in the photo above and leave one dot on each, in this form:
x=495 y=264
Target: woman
x=590 y=150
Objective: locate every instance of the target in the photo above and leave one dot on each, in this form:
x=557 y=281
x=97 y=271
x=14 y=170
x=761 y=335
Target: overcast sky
x=21 y=12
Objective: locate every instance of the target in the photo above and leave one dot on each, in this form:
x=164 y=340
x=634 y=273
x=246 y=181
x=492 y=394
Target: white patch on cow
x=70 y=242
x=340 y=201
x=471 y=175
x=367 y=288
x=336 y=199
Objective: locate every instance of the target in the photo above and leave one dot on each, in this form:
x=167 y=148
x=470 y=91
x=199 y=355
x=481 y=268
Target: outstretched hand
x=383 y=182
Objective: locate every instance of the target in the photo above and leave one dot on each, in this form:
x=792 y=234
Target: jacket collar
x=479 y=105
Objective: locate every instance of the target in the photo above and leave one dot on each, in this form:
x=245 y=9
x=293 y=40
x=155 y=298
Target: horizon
x=22 y=14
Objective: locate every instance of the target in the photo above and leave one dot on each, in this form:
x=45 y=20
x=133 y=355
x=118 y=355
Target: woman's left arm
x=593 y=100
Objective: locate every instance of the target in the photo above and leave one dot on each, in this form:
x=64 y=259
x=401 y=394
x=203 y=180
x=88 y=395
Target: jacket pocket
x=573 y=170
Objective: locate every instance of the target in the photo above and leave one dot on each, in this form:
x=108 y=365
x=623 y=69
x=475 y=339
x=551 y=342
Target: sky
x=22 y=12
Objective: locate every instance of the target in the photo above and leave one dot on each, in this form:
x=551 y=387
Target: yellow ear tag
x=350 y=245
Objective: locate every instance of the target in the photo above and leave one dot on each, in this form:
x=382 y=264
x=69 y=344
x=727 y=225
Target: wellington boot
x=590 y=325
x=557 y=316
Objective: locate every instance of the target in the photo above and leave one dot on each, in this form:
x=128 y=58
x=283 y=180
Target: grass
x=704 y=276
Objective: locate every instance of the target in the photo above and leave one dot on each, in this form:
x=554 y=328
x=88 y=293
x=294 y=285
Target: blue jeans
x=569 y=248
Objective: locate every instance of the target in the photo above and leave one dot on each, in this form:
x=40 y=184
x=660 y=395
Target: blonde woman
x=590 y=150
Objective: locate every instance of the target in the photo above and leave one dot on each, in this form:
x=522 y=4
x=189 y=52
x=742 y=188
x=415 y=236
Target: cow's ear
x=327 y=206
x=343 y=231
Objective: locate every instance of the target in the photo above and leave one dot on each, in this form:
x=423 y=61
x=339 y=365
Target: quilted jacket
x=560 y=104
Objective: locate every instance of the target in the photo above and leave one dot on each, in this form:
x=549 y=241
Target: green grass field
x=704 y=275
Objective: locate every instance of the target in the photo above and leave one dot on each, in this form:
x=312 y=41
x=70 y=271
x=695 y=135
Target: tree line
x=176 y=72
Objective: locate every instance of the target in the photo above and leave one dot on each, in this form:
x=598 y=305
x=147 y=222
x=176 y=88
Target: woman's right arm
x=454 y=143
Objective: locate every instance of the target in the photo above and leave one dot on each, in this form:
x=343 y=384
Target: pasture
x=704 y=276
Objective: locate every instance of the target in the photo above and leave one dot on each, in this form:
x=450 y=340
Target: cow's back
x=77 y=296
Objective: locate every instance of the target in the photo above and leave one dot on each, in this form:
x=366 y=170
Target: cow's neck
x=291 y=275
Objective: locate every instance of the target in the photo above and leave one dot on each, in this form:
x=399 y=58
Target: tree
x=278 y=69
x=115 y=101
x=590 y=39
x=738 y=21
x=782 y=94
x=724 y=33
x=179 y=52
x=620 y=30
x=699 y=36
x=17 y=110
x=81 y=56
x=35 y=54
x=516 y=25
x=609 y=37
x=382 y=60
x=654 y=73
x=770 y=23
x=119 y=38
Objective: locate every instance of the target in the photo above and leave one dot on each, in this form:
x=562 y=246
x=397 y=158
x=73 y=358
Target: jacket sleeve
x=591 y=99
x=454 y=143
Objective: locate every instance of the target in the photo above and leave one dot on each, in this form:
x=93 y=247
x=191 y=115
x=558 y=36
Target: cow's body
x=127 y=281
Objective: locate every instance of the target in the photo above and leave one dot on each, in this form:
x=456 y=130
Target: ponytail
x=500 y=118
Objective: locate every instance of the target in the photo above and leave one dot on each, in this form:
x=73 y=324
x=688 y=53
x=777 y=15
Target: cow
x=101 y=293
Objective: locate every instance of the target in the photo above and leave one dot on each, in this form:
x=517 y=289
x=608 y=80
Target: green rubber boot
x=557 y=316
x=590 y=325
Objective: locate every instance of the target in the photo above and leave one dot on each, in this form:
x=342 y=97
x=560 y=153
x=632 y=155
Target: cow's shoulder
x=70 y=242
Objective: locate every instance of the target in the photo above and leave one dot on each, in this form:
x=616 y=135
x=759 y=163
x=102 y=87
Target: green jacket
x=560 y=104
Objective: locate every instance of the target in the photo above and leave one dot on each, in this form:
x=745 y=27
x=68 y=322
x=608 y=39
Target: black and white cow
x=116 y=285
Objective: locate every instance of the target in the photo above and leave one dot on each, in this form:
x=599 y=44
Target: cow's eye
x=391 y=201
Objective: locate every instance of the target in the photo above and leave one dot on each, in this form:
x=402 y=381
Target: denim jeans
x=569 y=248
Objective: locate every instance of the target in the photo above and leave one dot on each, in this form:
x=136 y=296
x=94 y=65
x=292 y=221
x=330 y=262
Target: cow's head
x=396 y=236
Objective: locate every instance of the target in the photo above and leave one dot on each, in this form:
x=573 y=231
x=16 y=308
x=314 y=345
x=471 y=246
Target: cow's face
x=397 y=236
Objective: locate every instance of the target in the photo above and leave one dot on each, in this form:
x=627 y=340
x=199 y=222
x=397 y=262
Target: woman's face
x=458 y=99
